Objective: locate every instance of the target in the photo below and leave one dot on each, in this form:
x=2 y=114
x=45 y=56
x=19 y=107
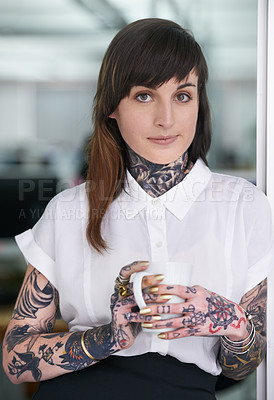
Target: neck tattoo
x=156 y=179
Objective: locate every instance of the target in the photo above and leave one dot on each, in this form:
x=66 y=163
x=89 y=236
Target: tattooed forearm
x=255 y=304
x=55 y=354
x=99 y=342
x=17 y=335
x=25 y=348
x=29 y=361
x=238 y=366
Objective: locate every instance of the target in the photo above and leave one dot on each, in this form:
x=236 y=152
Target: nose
x=164 y=117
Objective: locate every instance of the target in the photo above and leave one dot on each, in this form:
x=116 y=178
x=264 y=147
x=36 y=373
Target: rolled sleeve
x=36 y=256
x=258 y=272
x=38 y=244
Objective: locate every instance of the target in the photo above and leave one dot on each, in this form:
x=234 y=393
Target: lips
x=163 y=140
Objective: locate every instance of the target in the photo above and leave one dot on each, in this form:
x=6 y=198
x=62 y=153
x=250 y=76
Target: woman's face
x=159 y=124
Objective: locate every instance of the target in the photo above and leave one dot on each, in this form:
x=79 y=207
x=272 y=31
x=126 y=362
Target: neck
x=156 y=179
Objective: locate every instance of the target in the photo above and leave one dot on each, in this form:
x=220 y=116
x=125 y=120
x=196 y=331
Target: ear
x=113 y=115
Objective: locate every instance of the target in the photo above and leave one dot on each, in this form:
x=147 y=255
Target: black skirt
x=148 y=376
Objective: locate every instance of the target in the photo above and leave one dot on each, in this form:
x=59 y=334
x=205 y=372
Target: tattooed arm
x=31 y=352
x=238 y=366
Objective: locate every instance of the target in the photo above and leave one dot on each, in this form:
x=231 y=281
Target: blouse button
x=155 y=202
x=159 y=244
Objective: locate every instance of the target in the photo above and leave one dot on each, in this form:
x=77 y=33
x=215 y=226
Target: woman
x=149 y=196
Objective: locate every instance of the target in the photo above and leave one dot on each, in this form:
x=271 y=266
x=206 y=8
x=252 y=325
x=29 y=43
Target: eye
x=143 y=97
x=182 y=97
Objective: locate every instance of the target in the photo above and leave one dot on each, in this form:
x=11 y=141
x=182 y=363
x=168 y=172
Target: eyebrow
x=186 y=85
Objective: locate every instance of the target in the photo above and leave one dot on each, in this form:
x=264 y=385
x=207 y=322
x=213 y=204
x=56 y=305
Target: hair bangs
x=162 y=59
x=158 y=53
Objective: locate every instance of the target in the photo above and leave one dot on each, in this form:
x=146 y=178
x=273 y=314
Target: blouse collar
x=177 y=200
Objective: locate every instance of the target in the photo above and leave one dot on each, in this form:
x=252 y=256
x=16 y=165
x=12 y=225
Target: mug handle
x=137 y=289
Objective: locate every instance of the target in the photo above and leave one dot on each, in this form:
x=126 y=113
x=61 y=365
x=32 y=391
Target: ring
x=128 y=316
x=122 y=280
x=123 y=289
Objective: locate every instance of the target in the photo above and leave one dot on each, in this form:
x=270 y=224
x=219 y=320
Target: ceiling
x=64 y=40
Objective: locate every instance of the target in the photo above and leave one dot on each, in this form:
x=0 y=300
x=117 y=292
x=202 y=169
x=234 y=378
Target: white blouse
x=220 y=224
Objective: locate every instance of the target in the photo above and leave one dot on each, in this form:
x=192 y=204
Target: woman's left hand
x=203 y=313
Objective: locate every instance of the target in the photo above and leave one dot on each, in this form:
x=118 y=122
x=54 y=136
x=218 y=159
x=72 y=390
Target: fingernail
x=161 y=336
x=159 y=277
x=153 y=289
x=157 y=317
x=144 y=263
x=165 y=296
x=146 y=310
x=146 y=325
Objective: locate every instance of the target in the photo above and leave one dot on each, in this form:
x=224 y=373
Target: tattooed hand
x=203 y=313
x=124 y=330
x=125 y=320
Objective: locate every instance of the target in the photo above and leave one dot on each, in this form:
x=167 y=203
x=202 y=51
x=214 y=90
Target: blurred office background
x=50 y=55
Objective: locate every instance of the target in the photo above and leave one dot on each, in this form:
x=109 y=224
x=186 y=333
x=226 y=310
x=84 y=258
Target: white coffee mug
x=176 y=273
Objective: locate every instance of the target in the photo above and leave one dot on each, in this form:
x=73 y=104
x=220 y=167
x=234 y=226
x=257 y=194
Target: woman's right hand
x=125 y=331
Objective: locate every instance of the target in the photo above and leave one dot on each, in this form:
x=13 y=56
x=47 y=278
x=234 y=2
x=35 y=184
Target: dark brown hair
x=147 y=52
